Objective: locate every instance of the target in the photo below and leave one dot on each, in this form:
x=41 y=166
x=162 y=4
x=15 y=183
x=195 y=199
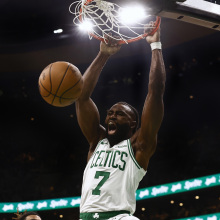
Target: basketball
x=60 y=84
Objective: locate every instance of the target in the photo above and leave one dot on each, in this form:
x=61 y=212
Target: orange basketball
x=60 y=84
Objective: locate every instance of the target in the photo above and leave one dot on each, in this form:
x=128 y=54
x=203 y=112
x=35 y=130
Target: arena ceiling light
x=58 y=31
x=130 y=15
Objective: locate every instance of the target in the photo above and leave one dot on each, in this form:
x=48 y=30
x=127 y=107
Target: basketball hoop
x=105 y=19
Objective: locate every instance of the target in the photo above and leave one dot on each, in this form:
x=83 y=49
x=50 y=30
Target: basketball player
x=27 y=216
x=119 y=152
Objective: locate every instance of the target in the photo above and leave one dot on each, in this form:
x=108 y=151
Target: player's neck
x=115 y=140
x=112 y=142
x=119 y=136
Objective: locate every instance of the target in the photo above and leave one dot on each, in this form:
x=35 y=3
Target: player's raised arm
x=87 y=112
x=153 y=109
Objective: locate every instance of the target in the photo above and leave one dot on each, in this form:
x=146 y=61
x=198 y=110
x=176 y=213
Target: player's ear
x=133 y=124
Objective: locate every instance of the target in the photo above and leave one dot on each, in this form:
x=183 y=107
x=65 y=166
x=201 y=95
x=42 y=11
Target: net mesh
x=105 y=19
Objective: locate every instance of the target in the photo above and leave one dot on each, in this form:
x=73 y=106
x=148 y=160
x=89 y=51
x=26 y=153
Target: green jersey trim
x=101 y=215
x=130 y=149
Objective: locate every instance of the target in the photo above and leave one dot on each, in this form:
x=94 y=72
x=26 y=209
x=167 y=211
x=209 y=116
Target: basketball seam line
x=46 y=90
x=60 y=83
x=56 y=96
x=69 y=89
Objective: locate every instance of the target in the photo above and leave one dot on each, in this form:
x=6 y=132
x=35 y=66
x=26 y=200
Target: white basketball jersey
x=111 y=179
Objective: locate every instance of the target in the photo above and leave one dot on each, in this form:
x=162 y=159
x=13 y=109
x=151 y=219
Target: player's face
x=118 y=122
x=33 y=217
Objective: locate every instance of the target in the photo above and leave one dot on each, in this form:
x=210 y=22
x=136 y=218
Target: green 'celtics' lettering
x=107 y=152
x=113 y=161
x=92 y=165
x=109 y=164
x=97 y=159
x=124 y=163
x=105 y=175
x=100 y=164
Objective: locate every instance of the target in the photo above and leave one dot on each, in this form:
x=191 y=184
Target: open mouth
x=111 y=128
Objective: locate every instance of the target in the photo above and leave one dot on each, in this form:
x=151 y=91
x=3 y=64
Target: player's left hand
x=152 y=38
x=110 y=46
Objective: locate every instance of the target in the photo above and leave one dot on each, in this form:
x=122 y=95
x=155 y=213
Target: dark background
x=43 y=152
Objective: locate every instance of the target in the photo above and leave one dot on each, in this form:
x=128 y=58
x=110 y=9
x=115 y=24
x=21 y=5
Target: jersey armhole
x=131 y=152
x=100 y=142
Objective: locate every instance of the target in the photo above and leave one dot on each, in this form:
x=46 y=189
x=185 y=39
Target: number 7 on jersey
x=105 y=175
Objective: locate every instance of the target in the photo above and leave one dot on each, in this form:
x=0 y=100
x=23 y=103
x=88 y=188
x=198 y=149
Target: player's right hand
x=110 y=46
x=155 y=37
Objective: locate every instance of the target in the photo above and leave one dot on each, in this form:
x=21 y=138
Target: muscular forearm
x=153 y=109
x=92 y=74
x=157 y=76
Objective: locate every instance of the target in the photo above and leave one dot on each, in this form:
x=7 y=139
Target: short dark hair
x=24 y=215
x=135 y=113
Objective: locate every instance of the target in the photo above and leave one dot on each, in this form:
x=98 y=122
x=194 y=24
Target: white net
x=106 y=19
